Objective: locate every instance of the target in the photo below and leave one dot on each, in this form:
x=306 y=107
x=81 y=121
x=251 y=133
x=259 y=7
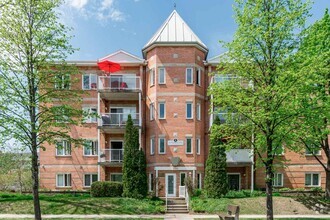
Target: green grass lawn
x=78 y=204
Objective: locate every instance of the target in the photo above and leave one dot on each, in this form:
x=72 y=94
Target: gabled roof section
x=123 y=57
x=175 y=31
x=216 y=60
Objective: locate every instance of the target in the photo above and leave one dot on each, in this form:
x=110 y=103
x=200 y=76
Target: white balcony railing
x=119 y=82
x=239 y=156
x=113 y=155
x=117 y=119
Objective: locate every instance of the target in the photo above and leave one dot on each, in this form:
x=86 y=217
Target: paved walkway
x=166 y=216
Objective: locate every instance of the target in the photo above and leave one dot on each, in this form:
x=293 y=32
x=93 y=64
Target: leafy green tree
x=313 y=61
x=216 y=179
x=134 y=166
x=259 y=99
x=35 y=97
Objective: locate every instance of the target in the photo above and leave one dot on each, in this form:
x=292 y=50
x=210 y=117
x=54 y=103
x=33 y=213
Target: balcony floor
x=110 y=164
x=117 y=94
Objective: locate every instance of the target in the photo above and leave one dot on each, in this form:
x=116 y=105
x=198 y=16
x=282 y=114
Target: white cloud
x=77 y=4
x=106 y=4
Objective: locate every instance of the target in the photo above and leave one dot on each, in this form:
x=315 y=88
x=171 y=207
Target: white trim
x=91 y=155
x=198 y=111
x=276 y=174
x=158 y=75
x=174 y=168
x=174 y=184
x=89 y=83
x=152 y=145
x=191 y=143
x=63 y=155
x=63 y=180
x=152 y=76
x=159 y=145
x=152 y=111
x=198 y=146
x=84 y=183
x=313 y=173
x=185 y=176
x=159 y=103
x=192 y=76
x=192 y=109
x=239 y=179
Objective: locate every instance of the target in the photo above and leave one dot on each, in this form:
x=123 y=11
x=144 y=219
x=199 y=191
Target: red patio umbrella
x=108 y=66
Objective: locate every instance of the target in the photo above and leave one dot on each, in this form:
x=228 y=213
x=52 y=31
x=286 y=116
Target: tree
x=134 y=165
x=259 y=99
x=35 y=97
x=313 y=61
x=216 y=179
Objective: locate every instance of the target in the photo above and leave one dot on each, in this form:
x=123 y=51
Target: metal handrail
x=165 y=200
x=187 y=198
x=114 y=155
x=117 y=119
x=119 y=82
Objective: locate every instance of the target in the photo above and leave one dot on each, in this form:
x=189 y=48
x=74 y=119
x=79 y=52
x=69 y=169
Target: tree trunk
x=35 y=184
x=269 y=192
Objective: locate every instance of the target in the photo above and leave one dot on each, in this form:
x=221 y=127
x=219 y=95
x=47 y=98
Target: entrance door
x=170 y=184
x=234 y=181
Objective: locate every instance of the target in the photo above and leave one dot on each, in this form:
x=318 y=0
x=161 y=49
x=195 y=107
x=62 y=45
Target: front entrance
x=234 y=181
x=170 y=184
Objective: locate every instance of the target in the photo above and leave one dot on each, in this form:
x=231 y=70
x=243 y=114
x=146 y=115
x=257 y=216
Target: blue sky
x=101 y=27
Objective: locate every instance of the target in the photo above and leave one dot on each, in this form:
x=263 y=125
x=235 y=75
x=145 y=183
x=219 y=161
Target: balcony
x=112 y=157
x=114 y=123
x=239 y=157
x=119 y=87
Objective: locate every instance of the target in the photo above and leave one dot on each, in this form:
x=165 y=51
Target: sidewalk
x=166 y=216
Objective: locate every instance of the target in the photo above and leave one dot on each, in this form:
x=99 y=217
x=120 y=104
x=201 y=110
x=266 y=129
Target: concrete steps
x=177 y=205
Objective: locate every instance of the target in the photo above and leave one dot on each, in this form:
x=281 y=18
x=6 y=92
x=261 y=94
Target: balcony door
x=116 y=151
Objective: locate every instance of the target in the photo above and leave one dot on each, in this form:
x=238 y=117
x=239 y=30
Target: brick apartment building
x=166 y=94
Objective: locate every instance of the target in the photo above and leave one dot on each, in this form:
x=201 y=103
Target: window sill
x=189 y=153
x=63 y=187
x=91 y=155
x=161 y=118
x=312 y=186
x=161 y=153
x=63 y=156
x=311 y=155
x=189 y=118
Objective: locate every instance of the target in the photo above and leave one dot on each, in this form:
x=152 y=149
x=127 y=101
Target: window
x=189 y=110
x=116 y=177
x=278 y=179
x=198 y=145
x=188 y=146
x=312 y=179
x=89 y=81
x=312 y=151
x=63 y=148
x=62 y=81
x=182 y=179
x=222 y=78
x=60 y=114
x=151 y=182
x=152 y=77
x=161 y=110
x=199 y=180
x=189 y=76
x=90 y=148
x=198 y=77
x=161 y=146
x=152 y=146
x=152 y=111
x=89 y=179
x=90 y=114
x=161 y=76
x=198 y=111
x=63 y=180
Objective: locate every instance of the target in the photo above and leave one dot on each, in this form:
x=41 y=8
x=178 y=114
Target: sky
x=101 y=27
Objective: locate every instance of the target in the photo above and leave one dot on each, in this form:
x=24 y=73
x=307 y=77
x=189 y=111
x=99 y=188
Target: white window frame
x=152 y=111
x=161 y=70
x=61 y=83
x=111 y=174
x=198 y=77
x=65 y=144
x=198 y=111
x=94 y=148
x=191 y=109
x=65 y=179
x=163 y=138
x=312 y=152
x=159 y=104
x=90 y=119
x=275 y=180
x=312 y=174
x=198 y=146
x=191 y=145
x=192 y=76
x=91 y=178
x=152 y=146
x=90 y=76
x=152 y=77
x=185 y=174
x=151 y=180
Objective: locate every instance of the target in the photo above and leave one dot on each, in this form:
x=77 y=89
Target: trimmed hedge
x=107 y=189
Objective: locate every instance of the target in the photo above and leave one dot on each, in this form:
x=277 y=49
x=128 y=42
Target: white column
x=98 y=139
x=140 y=119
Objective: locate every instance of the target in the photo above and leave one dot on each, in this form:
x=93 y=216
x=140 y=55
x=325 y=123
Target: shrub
x=107 y=189
x=284 y=189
